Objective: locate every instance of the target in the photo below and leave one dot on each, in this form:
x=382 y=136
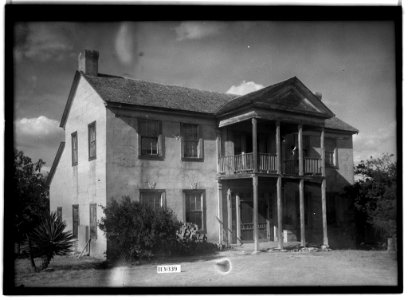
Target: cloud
x=197 y=30
x=37 y=132
x=245 y=88
x=375 y=143
x=124 y=44
x=42 y=41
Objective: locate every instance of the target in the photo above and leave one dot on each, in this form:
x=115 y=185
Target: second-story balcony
x=267 y=163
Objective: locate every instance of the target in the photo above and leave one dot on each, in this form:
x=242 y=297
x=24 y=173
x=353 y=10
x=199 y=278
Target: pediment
x=289 y=96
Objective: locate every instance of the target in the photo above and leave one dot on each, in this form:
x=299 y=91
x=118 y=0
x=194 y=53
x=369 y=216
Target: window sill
x=151 y=157
x=198 y=159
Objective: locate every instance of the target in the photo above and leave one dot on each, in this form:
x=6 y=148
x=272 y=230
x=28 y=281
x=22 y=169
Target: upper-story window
x=192 y=142
x=150 y=138
x=330 y=152
x=92 y=140
x=74 y=146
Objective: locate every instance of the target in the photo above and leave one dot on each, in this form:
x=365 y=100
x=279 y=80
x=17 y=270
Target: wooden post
x=322 y=153
x=302 y=213
x=324 y=216
x=238 y=210
x=220 y=218
x=268 y=221
x=278 y=148
x=255 y=144
x=300 y=146
x=218 y=132
x=255 y=212
x=279 y=210
x=229 y=204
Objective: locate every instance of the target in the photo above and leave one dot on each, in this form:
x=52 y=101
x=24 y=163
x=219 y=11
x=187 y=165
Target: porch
x=267 y=163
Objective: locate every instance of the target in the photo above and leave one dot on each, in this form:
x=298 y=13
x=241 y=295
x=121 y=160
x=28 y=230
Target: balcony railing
x=311 y=166
x=244 y=163
x=267 y=163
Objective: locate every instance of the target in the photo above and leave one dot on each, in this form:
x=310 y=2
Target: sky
x=351 y=63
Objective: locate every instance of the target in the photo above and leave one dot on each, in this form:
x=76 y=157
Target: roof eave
x=70 y=98
x=55 y=163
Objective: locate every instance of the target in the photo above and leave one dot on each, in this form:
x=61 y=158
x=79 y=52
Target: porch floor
x=263 y=246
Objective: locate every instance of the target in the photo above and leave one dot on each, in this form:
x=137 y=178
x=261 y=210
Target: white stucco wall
x=84 y=183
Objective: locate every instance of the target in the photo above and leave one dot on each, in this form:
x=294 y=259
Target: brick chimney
x=88 y=62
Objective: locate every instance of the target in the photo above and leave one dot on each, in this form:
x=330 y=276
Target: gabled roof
x=143 y=93
x=120 y=90
x=55 y=163
x=337 y=124
x=289 y=95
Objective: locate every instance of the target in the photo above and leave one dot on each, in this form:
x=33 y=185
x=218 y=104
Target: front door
x=247 y=225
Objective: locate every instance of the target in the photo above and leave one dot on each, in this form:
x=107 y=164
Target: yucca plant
x=49 y=239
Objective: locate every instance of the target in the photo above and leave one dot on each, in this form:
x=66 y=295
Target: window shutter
x=93 y=221
x=200 y=142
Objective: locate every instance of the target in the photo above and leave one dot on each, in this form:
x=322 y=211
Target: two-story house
x=271 y=160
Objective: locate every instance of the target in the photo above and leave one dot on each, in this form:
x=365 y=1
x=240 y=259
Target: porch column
x=279 y=210
x=218 y=133
x=302 y=213
x=220 y=218
x=300 y=151
x=238 y=210
x=255 y=212
x=229 y=204
x=278 y=148
x=324 y=217
x=255 y=144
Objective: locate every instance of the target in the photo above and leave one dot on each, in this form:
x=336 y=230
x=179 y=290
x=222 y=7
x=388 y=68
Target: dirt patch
x=348 y=267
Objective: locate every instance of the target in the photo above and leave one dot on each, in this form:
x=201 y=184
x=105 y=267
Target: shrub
x=135 y=230
x=49 y=239
x=190 y=241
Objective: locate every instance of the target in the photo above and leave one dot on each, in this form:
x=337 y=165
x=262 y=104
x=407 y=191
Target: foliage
x=48 y=239
x=190 y=241
x=374 y=194
x=31 y=194
x=135 y=230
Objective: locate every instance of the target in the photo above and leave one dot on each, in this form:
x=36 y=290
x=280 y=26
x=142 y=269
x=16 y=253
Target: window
x=92 y=221
x=330 y=152
x=92 y=140
x=59 y=213
x=75 y=220
x=192 y=143
x=194 y=208
x=150 y=138
x=153 y=198
x=74 y=144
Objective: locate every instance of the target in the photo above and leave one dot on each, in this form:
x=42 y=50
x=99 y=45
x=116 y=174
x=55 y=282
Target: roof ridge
x=159 y=83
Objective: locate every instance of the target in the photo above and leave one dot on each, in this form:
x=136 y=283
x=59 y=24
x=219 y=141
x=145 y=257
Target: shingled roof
x=115 y=89
x=137 y=92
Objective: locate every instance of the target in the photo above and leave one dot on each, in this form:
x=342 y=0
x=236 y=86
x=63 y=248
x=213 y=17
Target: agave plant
x=49 y=239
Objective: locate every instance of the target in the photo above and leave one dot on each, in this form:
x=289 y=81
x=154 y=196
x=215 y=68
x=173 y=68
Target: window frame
x=91 y=156
x=332 y=150
x=187 y=192
x=160 y=140
x=200 y=142
x=74 y=151
x=162 y=193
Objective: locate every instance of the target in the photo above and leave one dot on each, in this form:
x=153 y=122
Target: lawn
x=323 y=268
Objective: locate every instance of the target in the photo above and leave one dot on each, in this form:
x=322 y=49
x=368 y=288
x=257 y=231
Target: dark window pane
x=151 y=198
x=191 y=139
x=75 y=220
x=149 y=145
x=92 y=140
x=59 y=212
x=93 y=221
